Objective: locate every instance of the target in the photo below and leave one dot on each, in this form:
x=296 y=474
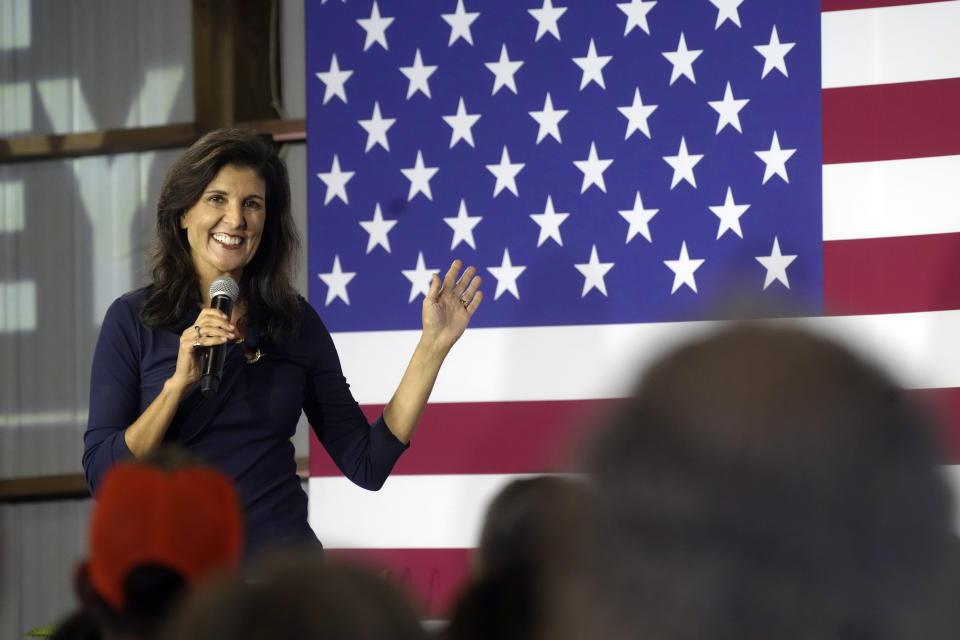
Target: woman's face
x=225 y=224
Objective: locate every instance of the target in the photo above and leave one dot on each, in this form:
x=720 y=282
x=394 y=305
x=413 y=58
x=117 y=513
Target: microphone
x=223 y=293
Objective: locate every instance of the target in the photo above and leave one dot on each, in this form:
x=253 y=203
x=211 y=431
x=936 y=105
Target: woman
x=224 y=210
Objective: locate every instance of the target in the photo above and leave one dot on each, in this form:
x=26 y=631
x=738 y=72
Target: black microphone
x=223 y=293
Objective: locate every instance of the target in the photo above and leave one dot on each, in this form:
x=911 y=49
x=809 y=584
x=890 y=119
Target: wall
x=74 y=234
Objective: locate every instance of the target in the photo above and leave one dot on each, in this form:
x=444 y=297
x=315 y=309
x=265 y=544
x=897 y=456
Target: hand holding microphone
x=203 y=345
x=223 y=293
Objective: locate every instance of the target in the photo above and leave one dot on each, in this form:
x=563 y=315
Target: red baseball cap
x=188 y=520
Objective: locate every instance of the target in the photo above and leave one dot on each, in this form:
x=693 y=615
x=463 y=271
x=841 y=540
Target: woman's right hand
x=212 y=327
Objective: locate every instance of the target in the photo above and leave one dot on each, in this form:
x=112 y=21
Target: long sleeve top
x=245 y=429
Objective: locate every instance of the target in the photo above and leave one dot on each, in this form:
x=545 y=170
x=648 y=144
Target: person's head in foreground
x=522 y=564
x=766 y=483
x=297 y=595
x=154 y=534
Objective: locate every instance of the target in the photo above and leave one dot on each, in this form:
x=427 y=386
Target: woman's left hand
x=449 y=304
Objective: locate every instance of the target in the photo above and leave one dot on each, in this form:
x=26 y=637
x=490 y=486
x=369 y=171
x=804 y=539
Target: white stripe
x=602 y=361
x=891 y=198
x=18 y=306
x=425 y=511
x=409 y=512
x=906 y=43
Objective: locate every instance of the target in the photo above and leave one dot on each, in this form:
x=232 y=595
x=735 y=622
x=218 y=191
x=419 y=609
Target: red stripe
x=534 y=437
x=891 y=275
x=891 y=121
x=486 y=437
x=843 y=5
x=432 y=578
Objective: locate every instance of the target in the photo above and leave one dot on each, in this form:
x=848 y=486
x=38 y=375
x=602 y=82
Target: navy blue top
x=245 y=429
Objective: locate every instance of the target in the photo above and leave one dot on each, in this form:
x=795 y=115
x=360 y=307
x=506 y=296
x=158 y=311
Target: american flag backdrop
x=618 y=172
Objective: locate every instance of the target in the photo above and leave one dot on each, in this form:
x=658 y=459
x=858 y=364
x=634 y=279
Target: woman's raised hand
x=449 y=304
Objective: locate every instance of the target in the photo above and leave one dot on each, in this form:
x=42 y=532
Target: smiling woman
x=224 y=226
x=224 y=210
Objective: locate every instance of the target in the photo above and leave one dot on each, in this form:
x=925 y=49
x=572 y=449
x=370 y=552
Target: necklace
x=251 y=357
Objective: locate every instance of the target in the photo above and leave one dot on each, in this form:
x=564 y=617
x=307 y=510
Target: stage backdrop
x=622 y=174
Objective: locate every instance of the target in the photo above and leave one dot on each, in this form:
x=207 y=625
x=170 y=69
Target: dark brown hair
x=526 y=566
x=766 y=483
x=265 y=286
x=298 y=594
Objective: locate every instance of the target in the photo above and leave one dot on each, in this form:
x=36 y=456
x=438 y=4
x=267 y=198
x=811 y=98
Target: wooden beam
x=71 y=486
x=290 y=130
x=59 y=487
x=231 y=62
x=73 y=145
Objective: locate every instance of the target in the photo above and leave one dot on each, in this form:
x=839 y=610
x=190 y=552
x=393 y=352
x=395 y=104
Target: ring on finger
x=197 y=329
x=196 y=343
x=464 y=303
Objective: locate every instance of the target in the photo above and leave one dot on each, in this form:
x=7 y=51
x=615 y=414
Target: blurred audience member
x=298 y=595
x=766 y=483
x=79 y=625
x=156 y=531
x=525 y=561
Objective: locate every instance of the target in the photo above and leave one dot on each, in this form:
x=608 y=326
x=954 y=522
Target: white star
x=592 y=66
x=683 y=268
x=682 y=60
x=378 y=228
x=376 y=128
x=506 y=275
x=506 y=173
x=729 y=110
x=461 y=122
x=549 y=120
x=420 y=278
x=418 y=74
x=503 y=71
x=460 y=22
x=775 y=160
x=546 y=17
x=549 y=222
x=773 y=54
x=334 y=79
x=727 y=10
x=462 y=226
x=337 y=281
x=683 y=164
x=419 y=177
x=593 y=273
x=636 y=11
x=729 y=213
x=336 y=181
x=639 y=219
x=637 y=114
x=776 y=265
x=593 y=169
x=376 y=28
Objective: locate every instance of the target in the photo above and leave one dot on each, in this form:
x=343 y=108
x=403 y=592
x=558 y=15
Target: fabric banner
x=623 y=175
